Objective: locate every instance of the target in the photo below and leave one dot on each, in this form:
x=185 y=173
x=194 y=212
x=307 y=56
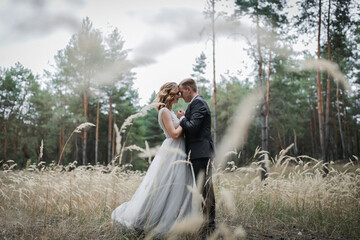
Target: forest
x=316 y=106
x=77 y=141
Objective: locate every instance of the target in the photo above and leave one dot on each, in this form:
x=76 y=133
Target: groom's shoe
x=211 y=228
x=208 y=231
x=204 y=235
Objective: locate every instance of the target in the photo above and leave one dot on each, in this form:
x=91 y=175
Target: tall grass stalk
x=77 y=130
x=120 y=148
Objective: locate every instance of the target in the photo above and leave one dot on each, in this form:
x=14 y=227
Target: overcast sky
x=167 y=35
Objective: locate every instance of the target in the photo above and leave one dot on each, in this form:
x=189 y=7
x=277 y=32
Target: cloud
x=24 y=19
x=174 y=27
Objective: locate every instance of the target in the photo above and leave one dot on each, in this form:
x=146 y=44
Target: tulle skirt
x=163 y=198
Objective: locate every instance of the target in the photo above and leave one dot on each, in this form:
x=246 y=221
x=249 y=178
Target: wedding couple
x=163 y=198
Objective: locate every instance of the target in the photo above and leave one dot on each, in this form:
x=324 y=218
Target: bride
x=162 y=199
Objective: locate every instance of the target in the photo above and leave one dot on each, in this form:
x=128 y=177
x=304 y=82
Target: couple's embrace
x=163 y=198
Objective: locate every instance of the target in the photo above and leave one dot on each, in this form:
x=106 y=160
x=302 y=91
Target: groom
x=196 y=122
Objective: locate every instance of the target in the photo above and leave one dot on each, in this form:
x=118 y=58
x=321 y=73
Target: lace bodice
x=173 y=117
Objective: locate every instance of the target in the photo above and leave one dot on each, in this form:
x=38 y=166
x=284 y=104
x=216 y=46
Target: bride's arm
x=175 y=133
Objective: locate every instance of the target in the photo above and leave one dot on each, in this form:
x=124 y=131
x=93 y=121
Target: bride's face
x=176 y=98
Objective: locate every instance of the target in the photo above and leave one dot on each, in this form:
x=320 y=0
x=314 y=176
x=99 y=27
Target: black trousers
x=201 y=165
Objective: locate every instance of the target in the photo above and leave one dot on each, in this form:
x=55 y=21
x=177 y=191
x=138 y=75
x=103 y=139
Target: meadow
x=294 y=202
x=94 y=79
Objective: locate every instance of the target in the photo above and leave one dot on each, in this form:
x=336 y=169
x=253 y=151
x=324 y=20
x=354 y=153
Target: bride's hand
x=174 y=133
x=180 y=113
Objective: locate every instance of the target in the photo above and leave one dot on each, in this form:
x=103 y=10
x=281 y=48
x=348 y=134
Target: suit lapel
x=188 y=112
x=189 y=108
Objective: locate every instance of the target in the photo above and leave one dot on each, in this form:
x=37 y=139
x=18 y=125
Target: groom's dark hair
x=189 y=82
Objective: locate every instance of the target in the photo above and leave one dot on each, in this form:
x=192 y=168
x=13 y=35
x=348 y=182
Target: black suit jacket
x=197 y=127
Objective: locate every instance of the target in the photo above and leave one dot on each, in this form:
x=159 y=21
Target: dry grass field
x=294 y=202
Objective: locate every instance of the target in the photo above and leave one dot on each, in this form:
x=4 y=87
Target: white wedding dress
x=163 y=198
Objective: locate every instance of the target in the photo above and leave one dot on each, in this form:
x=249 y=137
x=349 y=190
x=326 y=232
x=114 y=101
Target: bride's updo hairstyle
x=166 y=95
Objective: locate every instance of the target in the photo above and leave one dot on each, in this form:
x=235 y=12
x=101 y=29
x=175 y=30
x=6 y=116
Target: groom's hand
x=180 y=113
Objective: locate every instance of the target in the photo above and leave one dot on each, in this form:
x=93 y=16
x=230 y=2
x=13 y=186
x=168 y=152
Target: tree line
x=92 y=81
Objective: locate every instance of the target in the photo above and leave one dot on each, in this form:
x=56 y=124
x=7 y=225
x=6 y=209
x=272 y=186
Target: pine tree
x=199 y=69
x=17 y=86
x=263 y=13
x=78 y=64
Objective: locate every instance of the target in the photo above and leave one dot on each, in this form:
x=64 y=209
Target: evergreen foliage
x=93 y=70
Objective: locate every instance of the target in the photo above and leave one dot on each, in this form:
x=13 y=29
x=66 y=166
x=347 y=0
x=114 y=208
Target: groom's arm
x=197 y=117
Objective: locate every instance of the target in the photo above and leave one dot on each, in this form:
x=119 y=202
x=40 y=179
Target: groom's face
x=185 y=93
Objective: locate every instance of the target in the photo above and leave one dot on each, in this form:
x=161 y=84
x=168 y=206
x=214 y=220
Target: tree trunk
x=63 y=140
x=349 y=143
x=60 y=146
x=97 y=132
x=268 y=103
x=5 y=141
x=109 y=135
x=214 y=78
x=311 y=132
x=326 y=159
x=346 y=128
x=344 y=152
x=319 y=93
x=113 y=141
x=295 y=143
x=357 y=143
x=84 y=159
x=280 y=141
x=246 y=150
x=122 y=159
x=315 y=130
x=263 y=109
x=61 y=143
x=335 y=137
x=16 y=140
x=76 y=148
